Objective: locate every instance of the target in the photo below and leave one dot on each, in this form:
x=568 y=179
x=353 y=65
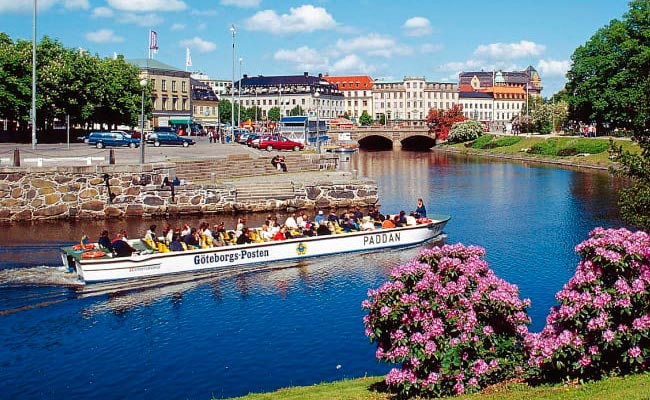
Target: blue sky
x=384 y=39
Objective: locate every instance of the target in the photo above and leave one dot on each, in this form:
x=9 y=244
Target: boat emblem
x=301 y=249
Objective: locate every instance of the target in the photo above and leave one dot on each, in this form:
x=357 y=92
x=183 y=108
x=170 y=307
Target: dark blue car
x=158 y=138
x=103 y=139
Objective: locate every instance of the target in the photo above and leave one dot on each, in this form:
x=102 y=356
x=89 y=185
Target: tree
x=465 y=131
x=297 y=110
x=609 y=83
x=274 y=114
x=365 y=118
x=225 y=111
x=441 y=121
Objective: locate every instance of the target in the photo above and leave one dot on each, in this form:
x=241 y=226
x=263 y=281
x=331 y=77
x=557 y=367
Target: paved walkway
x=81 y=153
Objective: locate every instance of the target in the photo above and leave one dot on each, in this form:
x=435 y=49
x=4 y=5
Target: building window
x=365 y=103
x=164 y=103
x=163 y=84
x=184 y=86
x=173 y=86
x=174 y=103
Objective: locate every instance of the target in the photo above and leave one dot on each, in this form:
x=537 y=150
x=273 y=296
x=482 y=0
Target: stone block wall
x=118 y=191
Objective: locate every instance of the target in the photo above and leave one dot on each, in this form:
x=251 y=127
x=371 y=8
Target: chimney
x=320 y=76
x=306 y=74
x=245 y=76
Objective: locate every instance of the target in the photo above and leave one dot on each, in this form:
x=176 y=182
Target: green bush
x=547 y=147
x=465 y=131
x=482 y=141
x=591 y=146
x=567 y=151
x=507 y=141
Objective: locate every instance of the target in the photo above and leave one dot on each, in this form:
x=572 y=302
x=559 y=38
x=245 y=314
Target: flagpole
x=149 y=57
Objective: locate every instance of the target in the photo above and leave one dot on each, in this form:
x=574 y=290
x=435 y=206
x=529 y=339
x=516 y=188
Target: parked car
x=158 y=138
x=103 y=139
x=252 y=138
x=277 y=142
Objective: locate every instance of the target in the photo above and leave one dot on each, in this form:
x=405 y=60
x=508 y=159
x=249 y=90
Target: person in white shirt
x=291 y=222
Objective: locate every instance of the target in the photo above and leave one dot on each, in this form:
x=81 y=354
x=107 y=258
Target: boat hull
x=232 y=256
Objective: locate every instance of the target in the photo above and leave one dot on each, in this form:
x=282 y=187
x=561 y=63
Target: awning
x=180 y=121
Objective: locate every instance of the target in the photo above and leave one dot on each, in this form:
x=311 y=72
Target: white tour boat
x=92 y=265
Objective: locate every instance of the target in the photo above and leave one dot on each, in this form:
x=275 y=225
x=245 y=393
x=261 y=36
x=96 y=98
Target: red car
x=277 y=142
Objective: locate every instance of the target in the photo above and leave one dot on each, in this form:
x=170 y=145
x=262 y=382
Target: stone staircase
x=241 y=165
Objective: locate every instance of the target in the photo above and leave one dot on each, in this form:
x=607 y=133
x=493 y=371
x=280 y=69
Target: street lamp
x=34 y=79
x=239 y=94
x=317 y=97
x=232 y=87
x=143 y=85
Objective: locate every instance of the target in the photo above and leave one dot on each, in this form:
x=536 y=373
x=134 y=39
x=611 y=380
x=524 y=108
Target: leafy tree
x=382 y=119
x=15 y=79
x=365 y=118
x=225 y=111
x=441 y=121
x=297 y=110
x=274 y=114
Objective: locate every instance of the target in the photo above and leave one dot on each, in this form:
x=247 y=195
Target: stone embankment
x=238 y=183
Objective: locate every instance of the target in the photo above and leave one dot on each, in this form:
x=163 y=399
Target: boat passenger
x=175 y=244
x=323 y=229
x=186 y=229
x=319 y=217
x=332 y=217
x=151 y=235
x=291 y=222
x=168 y=234
x=265 y=233
x=388 y=223
x=192 y=238
x=241 y=224
x=420 y=210
x=282 y=233
x=402 y=218
x=367 y=224
x=376 y=214
x=121 y=247
x=358 y=214
x=104 y=242
x=244 y=237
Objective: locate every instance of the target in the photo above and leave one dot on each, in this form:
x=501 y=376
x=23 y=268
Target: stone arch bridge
x=389 y=137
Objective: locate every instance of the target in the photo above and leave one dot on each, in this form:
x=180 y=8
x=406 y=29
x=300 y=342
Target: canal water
x=225 y=334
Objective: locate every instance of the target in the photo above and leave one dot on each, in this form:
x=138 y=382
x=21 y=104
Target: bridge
x=382 y=137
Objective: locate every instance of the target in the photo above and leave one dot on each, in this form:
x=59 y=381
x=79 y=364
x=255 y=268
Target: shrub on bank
x=563 y=147
x=602 y=322
x=482 y=141
x=465 y=131
x=454 y=326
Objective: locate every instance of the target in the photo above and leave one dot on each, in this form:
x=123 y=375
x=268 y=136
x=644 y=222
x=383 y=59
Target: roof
x=150 y=63
x=507 y=89
x=286 y=80
x=352 y=82
x=294 y=119
x=474 y=95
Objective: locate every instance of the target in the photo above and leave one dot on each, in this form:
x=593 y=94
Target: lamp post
x=143 y=85
x=317 y=97
x=34 y=79
x=232 y=87
x=239 y=94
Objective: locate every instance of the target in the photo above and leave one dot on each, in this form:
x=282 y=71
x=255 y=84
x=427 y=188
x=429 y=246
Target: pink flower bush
x=451 y=323
x=602 y=322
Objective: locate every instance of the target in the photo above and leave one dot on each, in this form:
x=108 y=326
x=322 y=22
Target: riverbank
x=633 y=387
x=521 y=150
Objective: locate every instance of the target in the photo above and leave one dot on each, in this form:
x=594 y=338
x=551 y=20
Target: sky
x=383 y=39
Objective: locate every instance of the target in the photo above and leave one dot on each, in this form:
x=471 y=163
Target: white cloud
x=417 y=26
x=458 y=66
x=76 y=4
x=510 y=50
x=25 y=6
x=305 y=58
x=148 y=5
x=146 y=20
x=241 y=3
x=553 y=67
x=430 y=48
x=102 y=12
x=306 y=18
x=104 y=36
x=373 y=44
x=198 y=44
x=204 y=13
x=351 y=64
x=177 y=27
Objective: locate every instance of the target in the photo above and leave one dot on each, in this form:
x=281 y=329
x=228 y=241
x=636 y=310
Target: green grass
x=634 y=387
x=595 y=147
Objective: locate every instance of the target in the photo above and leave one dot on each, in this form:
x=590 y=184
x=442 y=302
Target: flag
x=153 y=40
x=84 y=240
x=188 y=58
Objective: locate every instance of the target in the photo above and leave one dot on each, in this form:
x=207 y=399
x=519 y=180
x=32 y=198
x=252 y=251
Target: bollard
x=16 y=158
x=111 y=156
